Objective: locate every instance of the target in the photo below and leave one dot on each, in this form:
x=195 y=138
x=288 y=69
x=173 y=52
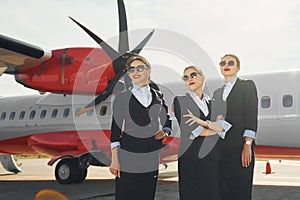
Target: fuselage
x=47 y=124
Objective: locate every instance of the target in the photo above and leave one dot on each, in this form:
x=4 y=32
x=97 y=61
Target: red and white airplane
x=80 y=78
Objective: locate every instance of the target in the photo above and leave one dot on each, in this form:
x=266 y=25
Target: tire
x=82 y=175
x=67 y=171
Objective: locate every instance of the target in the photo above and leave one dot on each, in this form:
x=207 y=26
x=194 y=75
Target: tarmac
x=282 y=183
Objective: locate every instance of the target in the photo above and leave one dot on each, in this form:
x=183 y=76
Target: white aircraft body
x=47 y=124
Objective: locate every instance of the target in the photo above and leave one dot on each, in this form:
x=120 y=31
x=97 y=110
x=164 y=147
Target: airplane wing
x=15 y=54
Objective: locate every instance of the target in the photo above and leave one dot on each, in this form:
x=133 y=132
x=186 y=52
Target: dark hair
x=235 y=57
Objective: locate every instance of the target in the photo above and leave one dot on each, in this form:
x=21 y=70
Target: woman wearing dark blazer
x=136 y=137
x=239 y=97
x=198 y=154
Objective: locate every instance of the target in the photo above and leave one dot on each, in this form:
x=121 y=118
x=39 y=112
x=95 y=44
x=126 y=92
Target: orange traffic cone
x=268 y=168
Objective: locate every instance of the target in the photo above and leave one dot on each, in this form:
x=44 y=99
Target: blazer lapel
x=196 y=110
x=235 y=88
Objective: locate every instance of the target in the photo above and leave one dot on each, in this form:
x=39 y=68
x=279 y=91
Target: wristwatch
x=248 y=142
x=166 y=134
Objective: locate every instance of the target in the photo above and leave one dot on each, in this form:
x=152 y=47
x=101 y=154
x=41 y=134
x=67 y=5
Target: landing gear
x=68 y=171
x=74 y=170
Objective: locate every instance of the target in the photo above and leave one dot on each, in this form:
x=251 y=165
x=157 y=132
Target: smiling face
x=229 y=67
x=194 y=80
x=139 y=73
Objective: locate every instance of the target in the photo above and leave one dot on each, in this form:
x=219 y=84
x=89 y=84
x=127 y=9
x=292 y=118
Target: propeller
x=119 y=58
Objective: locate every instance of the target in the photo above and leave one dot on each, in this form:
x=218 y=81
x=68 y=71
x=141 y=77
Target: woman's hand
x=219 y=117
x=193 y=119
x=114 y=168
x=161 y=135
x=246 y=156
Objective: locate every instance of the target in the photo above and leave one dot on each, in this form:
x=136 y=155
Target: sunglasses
x=229 y=63
x=138 y=68
x=192 y=75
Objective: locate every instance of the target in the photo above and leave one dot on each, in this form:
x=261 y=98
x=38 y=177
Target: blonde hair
x=195 y=68
x=137 y=57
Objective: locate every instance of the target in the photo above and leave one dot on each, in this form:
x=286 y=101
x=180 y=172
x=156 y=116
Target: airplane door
x=287 y=105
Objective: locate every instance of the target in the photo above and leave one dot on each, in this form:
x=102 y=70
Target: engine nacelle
x=70 y=71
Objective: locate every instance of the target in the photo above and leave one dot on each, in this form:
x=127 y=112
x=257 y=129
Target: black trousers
x=136 y=186
x=198 y=179
x=236 y=181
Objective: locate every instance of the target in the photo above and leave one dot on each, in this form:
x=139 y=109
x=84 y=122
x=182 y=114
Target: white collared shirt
x=201 y=103
x=228 y=87
x=142 y=94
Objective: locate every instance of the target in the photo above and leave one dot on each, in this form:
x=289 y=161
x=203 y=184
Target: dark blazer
x=240 y=110
x=191 y=148
x=138 y=122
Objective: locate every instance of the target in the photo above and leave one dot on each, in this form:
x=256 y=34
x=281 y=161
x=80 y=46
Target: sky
x=263 y=33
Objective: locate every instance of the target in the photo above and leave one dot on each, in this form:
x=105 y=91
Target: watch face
x=248 y=142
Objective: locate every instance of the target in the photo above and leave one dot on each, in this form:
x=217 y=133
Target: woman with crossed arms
x=198 y=154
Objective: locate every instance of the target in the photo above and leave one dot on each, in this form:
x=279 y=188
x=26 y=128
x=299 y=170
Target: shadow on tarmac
x=104 y=190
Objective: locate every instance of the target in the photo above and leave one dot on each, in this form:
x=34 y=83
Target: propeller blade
x=106 y=47
x=123 y=33
x=141 y=45
x=119 y=58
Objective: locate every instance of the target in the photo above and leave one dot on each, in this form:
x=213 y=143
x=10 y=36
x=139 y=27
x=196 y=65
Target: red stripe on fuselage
x=276 y=153
x=58 y=143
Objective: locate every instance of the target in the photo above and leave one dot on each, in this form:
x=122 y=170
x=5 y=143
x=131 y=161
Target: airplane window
x=43 y=114
x=77 y=110
x=265 y=102
x=287 y=101
x=22 y=115
x=12 y=115
x=90 y=112
x=3 y=115
x=103 y=110
x=32 y=114
x=66 y=112
x=54 y=113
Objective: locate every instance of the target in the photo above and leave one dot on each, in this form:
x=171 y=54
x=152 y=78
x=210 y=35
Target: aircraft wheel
x=67 y=171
